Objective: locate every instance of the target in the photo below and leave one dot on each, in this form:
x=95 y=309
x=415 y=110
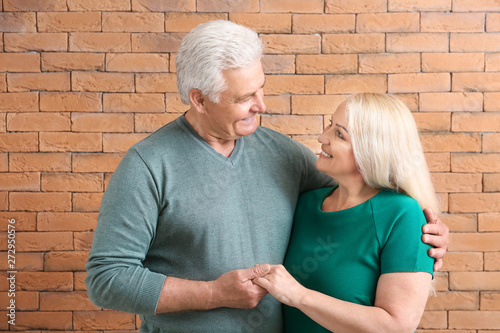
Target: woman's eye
x=339 y=134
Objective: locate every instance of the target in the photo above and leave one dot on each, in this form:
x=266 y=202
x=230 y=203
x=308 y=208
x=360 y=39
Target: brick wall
x=82 y=80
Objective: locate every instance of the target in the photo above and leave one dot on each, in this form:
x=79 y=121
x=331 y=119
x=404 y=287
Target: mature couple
x=196 y=221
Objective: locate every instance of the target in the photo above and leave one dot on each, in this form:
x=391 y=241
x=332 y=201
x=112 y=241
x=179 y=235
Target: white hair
x=387 y=147
x=209 y=49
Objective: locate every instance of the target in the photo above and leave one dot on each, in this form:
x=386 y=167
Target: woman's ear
x=197 y=99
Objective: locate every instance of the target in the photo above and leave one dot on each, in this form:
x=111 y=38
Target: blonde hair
x=387 y=147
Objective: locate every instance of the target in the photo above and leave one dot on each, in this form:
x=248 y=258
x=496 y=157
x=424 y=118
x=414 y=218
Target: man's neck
x=223 y=147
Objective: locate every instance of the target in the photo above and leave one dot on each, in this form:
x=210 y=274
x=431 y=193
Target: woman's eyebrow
x=345 y=129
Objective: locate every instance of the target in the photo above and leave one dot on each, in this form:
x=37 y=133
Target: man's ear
x=197 y=99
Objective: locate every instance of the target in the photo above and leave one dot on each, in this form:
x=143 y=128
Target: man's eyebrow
x=345 y=129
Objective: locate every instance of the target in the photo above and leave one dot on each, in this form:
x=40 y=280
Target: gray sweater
x=174 y=206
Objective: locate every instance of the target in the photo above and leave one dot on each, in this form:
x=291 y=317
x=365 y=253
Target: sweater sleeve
x=116 y=278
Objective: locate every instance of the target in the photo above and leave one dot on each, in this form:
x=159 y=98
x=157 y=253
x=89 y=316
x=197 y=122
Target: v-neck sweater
x=176 y=207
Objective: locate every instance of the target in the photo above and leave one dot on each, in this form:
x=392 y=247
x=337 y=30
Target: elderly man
x=192 y=208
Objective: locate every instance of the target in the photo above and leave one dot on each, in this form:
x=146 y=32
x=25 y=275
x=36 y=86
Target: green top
x=343 y=253
x=174 y=206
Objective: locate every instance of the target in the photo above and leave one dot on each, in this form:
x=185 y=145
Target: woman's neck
x=348 y=195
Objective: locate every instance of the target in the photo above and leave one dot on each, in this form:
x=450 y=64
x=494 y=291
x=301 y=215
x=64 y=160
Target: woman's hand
x=279 y=283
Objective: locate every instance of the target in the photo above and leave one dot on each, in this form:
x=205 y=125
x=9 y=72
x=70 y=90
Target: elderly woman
x=356 y=262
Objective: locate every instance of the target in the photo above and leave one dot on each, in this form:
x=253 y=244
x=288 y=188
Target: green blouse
x=343 y=253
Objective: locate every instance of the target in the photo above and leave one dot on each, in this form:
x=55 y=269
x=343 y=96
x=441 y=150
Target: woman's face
x=337 y=157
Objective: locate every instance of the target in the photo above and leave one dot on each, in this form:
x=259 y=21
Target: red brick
x=99 y=5
x=70 y=221
x=19 y=102
x=44 y=320
x=492 y=22
x=457 y=182
x=16 y=42
x=70 y=101
x=474 y=202
x=25 y=261
x=39 y=162
x=294 y=84
x=388 y=22
x=297 y=44
x=474 y=5
x=19 y=62
x=227 y=6
x=278 y=64
x=491 y=101
x=44 y=241
x=100 y=42
x=26 y=181
x=475 y=162
x=156 y=42
x=463 y=261
x=173 y=104
x=18 y=142
x=490 y=300
x=325 y=24
x=316 y=104
x=137 y=62
x=347 y=84
x=474 y=42
x=185 y=22
x=163 y=6
x=460 y=222
x=132 y=22
x=24 y=221
x=83 y=242
x=292 y=6
x=4 y=162
x=451 y=101
x=156 y=82
x=435 y=319
x=294 y=124
x=279 y=104
x=25 y=300
x=70 y=142
x=66 y=301
x=451 y=142
x=102 y=82
x=34 y=5
x=326 y=64
x=261 y=22
x=101 y=122
x=34 y=201
x=17 y=22
x=488 y=222
x=79 y=281
x=492 y=63
x=73 y=61
x=453 y=300
x=417 y=42
x=453 y=62
x=61 y=261
x=116 y=143
x=474 y=319
x=38 y=81
x=87 y=202
x=452 y=22
x=96 y=162
x=355 y=6
x=474 y=242
x=104 y=320
x=419 y=82
x=151 y=122
x=432 y=121
x=353 y=43
x=4 y=205
x=32 y=122
x=69 y=21
x=492 y=182
x=52 y=182
x=476 y=122
x=419 y=6
x=389 y=63
x=133 y=103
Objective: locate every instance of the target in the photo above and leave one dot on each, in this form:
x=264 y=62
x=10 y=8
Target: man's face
x=235 y=114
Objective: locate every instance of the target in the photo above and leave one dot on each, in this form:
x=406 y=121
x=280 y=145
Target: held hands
x=236 y=289
x=436 y=233
x=279 y=283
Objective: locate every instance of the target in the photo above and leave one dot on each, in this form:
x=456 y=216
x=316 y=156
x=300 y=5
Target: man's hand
x=436 y=233
x=235 y=289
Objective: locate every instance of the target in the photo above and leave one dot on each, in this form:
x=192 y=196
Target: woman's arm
x=399 y=303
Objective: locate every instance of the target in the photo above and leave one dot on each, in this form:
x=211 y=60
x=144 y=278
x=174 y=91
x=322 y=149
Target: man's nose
x=259 y=105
